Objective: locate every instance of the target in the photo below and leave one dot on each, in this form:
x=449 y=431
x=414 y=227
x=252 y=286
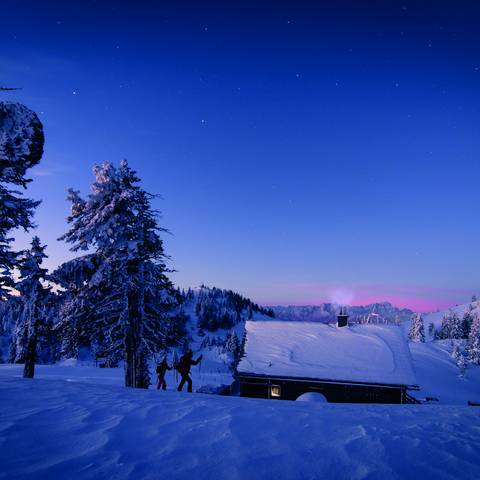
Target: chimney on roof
x=342 y=317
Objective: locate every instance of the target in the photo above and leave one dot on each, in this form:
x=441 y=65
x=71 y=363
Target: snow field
x=54 y=429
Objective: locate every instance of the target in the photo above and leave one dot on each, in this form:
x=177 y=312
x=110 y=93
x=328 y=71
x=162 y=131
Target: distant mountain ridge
x=383 y=312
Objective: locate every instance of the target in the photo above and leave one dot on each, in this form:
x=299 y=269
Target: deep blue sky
x=305 y=151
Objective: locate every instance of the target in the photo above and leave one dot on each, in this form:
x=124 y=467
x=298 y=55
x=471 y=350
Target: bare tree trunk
x=31 y=350
x=129 y=356
x=136 y=366
x=30 y=356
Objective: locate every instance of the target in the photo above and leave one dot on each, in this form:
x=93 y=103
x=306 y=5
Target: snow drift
x=52 y=429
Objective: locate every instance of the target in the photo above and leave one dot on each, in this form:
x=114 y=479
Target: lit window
x=275 y=391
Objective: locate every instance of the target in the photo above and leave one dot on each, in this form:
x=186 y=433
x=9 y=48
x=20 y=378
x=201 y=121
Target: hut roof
x=359 y=353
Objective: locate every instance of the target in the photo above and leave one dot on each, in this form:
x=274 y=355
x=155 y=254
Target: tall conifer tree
x=473 y=345
x=129 y=292
x=21 y=147
x=33 y=297
x=417 y=329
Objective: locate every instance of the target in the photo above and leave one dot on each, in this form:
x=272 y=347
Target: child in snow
x=183 y=367
x=162 y=368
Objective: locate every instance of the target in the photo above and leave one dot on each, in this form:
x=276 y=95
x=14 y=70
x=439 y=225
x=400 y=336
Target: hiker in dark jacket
x=183 y=367
x=162 y=368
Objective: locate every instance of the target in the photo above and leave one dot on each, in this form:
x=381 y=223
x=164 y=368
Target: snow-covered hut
x=357 y=363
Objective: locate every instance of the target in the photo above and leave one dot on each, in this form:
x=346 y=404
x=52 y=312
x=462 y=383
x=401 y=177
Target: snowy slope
x=438 y=376
x=436 y=317
x=436 y=371
x=52 y=429
x=363 y=353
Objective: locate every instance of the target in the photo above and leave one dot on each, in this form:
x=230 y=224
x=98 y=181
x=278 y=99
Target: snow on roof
x=357 y=353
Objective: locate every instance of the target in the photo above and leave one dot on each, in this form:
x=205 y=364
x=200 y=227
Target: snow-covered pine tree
x=76 y=313
x=21 y=147
x=33 y=296
x=456 y=330
x=444 y=331
x=48 y=344
x=417 y=329
x=461 y=364
x=232 y=343
x=130 y=291
x=473 y=344
x=451 y=326
x=9 y=312
x=47 y=340
x=174 y=330
x=455 y=351
x=431 y=330
x=467 y=322
x=459 y=358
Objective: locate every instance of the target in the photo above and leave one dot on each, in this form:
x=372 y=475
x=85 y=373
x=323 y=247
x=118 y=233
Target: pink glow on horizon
x=413 y=303
x=416 y=298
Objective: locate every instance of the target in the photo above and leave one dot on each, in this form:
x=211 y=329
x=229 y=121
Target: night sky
x=305 y=151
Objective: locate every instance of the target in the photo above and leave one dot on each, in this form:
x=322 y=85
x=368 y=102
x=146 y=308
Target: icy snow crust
x=53 y=429
x=360 y=353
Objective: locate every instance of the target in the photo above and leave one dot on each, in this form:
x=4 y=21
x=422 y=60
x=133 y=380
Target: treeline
x=217 y=308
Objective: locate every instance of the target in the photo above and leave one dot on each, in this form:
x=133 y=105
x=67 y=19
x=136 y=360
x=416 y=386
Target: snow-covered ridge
x=219 y=308
x=437 y=317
